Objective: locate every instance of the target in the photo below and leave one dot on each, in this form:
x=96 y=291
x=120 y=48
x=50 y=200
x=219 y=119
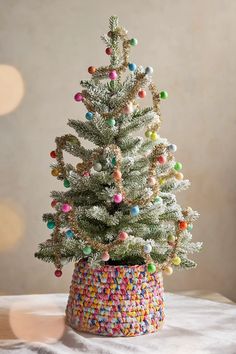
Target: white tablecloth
x=192 y=326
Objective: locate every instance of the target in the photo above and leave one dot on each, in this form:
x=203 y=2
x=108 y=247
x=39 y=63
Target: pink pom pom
x=129 y=108
x=66 y=208
x=122 y=235
x=105 y=256
x=113 y=75
x=58 y=273
x=78 y=97
x=117 y=198
x=151 y=181
x=86 y=174
x=161 y=159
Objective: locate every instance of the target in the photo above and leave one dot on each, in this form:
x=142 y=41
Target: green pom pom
x=113 y=161
x=171 y=238
x=190 y=227
x=133 y=41
x=51 y=224
x=164 y=94
x=148 y=133
x=158 y=200
x=66 y=183
x=151 y=268
x=178 y=166
x=111 y=122
x=87 y=250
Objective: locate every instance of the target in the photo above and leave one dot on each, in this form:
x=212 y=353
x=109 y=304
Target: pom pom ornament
x=117 y=198
x=148 y=133
x=91 y=70
x=133 y=42
x=132 y=66
x=172 y=148
x=108 y=51
x=179 y=176
x=168 y=270
x=105 y=256
x=66 y=208
x=183 y=225
x=53 y=154
x=134 y=211
x=158 y=200
x=149 y=70
x=190 y=227
x=163 y=95
x=161 y=159
x=78 y=97
x=53 y=203
x=66 y=183
x=178 y=166
x=86 y=174
x=171 y=238
x=51 y=224
x=58 y=273
x=111 y=122
x=129 y=108
x=176 y=260
x=122 y=236
x=147 y=248
x=113 y=75
x=89 y=115
x=151 y=268
x=152 y=181
x=154 y=136
x=55 y=172
x=142 y=93
x=87 y=250
x=97 y=166
x=69 y=234
x=117 y=175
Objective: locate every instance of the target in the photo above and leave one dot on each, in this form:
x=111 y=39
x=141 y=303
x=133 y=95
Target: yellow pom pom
x=161 y=181
x=179 y=176
x=176 y=260
x=55 y=172
x=154 y=136
x=168 y=270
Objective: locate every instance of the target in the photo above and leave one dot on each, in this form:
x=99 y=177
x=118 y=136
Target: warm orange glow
x=11 y=225
x=11 y=88
x=36 y=319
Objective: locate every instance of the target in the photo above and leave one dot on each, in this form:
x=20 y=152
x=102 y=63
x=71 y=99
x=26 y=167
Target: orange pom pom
x=55 y=172
x=91 y=70
x=117 y=175
x=183 y=225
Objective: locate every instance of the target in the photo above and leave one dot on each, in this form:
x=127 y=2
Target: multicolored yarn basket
x=115 y=300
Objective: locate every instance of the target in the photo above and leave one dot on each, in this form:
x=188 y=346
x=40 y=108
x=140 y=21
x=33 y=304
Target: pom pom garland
x=132 y=66
x=164 y=95
x=108 y=51
x=190 y=227
x=142 y=93
x=168 y=270
x=183 y=225
x=151 y=268
x=148 y=70
x=148 y=133
x=111 y=122
x=161 y=159
x=117 y=175
x=66 y=183
x=152 y=181
x=87 y=250
x=176 y=260
x=179 y=176
x=133 y=41
x=154 y=136
x=178 y=166
x=53 y=203
x=97 y=167
x=69 y=234
x=55 y=172
x=105 y=256
x=86 y=174
x=129 y=108
x=147 y=248
x=172 y=148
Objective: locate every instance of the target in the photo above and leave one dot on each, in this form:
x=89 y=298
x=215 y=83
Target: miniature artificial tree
x=119 y=208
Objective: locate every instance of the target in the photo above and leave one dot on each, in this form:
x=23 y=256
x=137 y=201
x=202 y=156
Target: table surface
x=35 y=324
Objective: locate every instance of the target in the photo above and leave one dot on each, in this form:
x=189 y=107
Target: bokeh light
x=11 y=88
x=12 y=225
x=36 y=319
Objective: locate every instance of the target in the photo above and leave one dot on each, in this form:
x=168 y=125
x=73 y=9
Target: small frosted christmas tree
x=119 y=205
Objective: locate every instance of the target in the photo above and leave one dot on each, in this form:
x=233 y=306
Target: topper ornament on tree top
x=117 y=215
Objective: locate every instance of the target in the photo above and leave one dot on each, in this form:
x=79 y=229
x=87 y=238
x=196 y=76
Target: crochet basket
x=115 y=300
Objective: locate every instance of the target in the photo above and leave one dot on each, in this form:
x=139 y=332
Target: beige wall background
x=191 y=45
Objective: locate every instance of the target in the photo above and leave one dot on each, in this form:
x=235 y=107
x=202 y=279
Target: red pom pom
x=53 y=154
x=53 y=203
x=58 y=273
x=109 y=51
x=142 y=93
x=183 y=225
x=161 y=159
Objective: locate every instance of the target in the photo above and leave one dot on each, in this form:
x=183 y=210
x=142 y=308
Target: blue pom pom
x=69 y=233
x=132 y=66
x=134 y=211
x=89 y=115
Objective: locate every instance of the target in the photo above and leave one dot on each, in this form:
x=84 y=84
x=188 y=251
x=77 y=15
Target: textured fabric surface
x=192 y=326
x=115 y=300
